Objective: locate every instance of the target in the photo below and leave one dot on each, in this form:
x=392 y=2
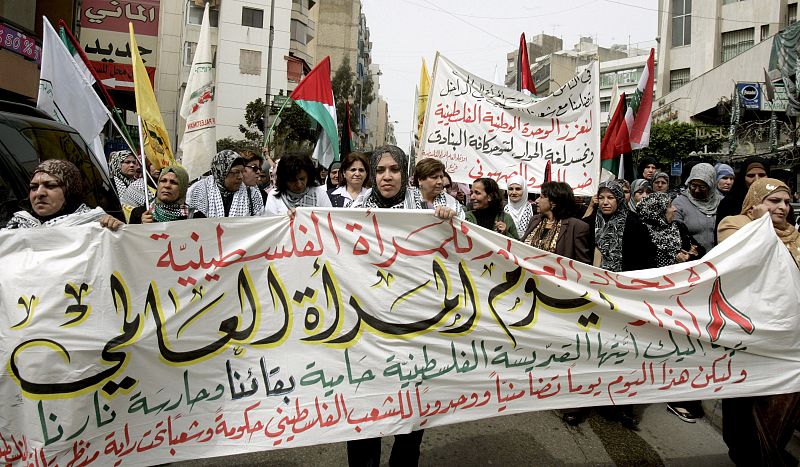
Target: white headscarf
x=521 y=211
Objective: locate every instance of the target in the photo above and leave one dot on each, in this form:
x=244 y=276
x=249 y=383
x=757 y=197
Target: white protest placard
x=481 y=129
x=206 y=338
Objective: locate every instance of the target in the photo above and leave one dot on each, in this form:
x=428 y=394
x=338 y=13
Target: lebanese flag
x=314 y=94
x=616 y=141
x=639 y=115
x=524 y=79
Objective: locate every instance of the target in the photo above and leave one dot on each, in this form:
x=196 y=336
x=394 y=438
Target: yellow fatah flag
x=424 y=90
x=155 y=137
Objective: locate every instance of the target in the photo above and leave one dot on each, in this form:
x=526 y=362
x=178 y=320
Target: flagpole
x=144 y=165
x=272 y=125
x=267 y=104
x=109 y=101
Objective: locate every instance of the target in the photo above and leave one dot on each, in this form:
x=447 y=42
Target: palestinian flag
x=524 y=80
x=639 y=115
x=314 y=94
x=616 y=141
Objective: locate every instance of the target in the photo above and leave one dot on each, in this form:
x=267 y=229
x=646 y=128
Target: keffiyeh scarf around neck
x=83 y=215
x=292 y=200
x=166 y=212
x=207 y=198
x=665 y=235
x=521 y=211
x=608 y=232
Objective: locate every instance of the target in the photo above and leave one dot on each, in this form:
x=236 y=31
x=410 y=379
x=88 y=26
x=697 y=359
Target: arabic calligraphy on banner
x=480 y=129
x=105 y=38
x=203 y=338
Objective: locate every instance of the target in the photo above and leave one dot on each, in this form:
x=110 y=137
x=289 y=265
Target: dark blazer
x=574 y=238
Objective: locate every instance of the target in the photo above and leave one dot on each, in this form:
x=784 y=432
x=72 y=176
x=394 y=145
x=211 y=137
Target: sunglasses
x=254 y=168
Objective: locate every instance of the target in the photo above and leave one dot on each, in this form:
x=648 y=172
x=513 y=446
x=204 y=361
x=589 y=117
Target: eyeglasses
x=254 y=168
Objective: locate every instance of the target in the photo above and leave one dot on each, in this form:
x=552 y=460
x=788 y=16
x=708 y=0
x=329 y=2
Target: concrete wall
x=337 y=31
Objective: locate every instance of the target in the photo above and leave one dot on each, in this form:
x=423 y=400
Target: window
x=252 y=17
x=736 y=42
x=189 y=49
x=628 y=76
x=605 y=106
x=249 y=62
x=195 y=15
x=791 y=13
x=681 y=22
x=188 y=52
x=298 y=31
x=725 y=2
x=764 y=31
x=678 y=78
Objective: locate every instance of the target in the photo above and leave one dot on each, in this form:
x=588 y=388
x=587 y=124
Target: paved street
x=538 y=438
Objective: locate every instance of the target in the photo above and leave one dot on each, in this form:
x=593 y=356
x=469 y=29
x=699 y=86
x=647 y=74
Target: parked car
x=28 y=137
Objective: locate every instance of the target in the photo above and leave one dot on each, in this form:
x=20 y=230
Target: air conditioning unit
x=212 y=3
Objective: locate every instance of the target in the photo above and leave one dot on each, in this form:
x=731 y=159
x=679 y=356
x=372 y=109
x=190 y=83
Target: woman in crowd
x=487 y=208
x=124 y=168
x=352 y=180
x=639 y=189
x=664 y=241
x=554 y=229
x=459 y=191
x=758 y=429
x=753 y=168
x=648 y=168
x=389 y=177
x=697 y=207
x=295 y=187
x=134 y=195
x=660 y=182
x=223 y=194
x=56 y=196
x=429 y=180
x=724 y=180
x=334 y=173
x=518 y=206
x=170 y=202
x=322 y=175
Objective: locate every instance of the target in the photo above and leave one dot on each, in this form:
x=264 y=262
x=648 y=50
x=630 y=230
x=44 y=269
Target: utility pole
x=267 y=105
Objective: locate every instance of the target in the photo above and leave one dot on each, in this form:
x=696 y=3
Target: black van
x=28 y=137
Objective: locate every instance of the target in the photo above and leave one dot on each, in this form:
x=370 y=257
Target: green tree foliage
x=294 y=132
x=346 y=86
x=675 y=140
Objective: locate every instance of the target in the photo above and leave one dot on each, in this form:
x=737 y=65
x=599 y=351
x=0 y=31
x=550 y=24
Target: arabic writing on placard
x=209 y=338
x=479 y=129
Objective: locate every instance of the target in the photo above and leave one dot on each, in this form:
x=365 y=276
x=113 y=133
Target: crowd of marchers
x=623 y=227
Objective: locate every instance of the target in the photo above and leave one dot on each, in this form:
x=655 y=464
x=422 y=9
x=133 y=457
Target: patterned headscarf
x=760 y=190
x=665 y=235
x=661 y=175
x=74 y=212
x=165 y=212
x=221 y=164
x=637 y=185
x=397 y=201
x=608 y=231
x=705 y=173
x=521 y=211
x=121 y=181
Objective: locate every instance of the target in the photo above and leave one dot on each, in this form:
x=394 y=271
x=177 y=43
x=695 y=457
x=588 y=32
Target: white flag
x=199 y=109
x=66 y=94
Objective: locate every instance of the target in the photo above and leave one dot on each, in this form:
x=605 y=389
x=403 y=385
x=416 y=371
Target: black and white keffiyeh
x=292 y=200
x=521 y=211
x=121 y=182
x=207 y=198
x=664 y=234
x=608 y=230
x=83 y=215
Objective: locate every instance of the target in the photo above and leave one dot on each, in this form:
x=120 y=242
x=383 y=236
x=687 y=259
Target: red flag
x=616 y=140
x=524 y=79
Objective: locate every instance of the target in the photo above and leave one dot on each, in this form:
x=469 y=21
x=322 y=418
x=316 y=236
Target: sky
x=477 y=35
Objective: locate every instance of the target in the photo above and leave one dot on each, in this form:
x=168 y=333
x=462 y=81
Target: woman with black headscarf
x=753 y=168
x=56 y=197
x=223 y=193
x=389 y=176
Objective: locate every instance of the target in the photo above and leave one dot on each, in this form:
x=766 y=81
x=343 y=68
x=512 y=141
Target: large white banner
x=481 y=129
x=207 y=338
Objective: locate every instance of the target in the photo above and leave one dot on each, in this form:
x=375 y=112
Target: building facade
x=626 y=73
